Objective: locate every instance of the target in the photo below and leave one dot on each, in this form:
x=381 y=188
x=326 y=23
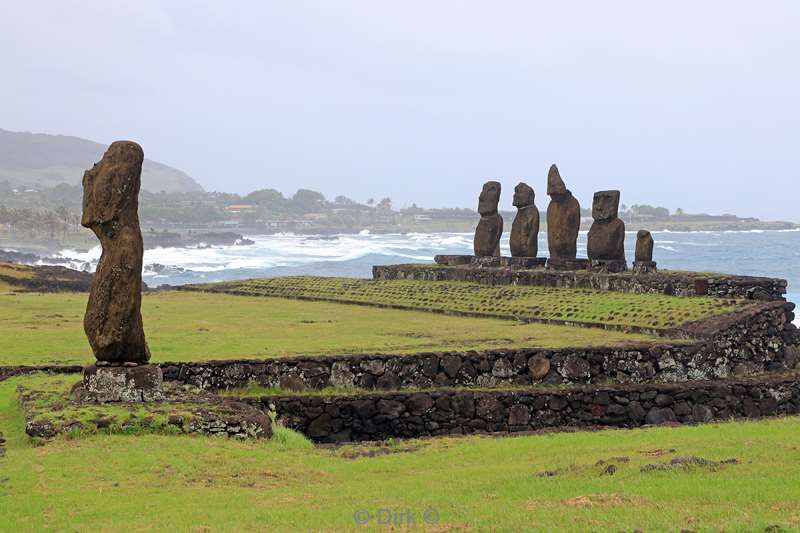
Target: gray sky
x=684 y=104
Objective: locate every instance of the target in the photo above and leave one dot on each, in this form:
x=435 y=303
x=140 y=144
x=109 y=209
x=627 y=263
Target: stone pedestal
x=524 y=262
x=452 y=260
x=644 y=267
x=486 y=261
x=141 y=383
x=554 y=263
x=608 y=265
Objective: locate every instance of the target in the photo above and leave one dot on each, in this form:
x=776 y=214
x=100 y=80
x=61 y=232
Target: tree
x=266 y=197
x=307 y=201
x=385 y=203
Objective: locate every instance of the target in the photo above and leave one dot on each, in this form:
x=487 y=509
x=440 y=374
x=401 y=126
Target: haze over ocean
x=758 y=253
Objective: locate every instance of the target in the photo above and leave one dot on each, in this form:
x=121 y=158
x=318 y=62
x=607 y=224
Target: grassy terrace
x=545 y=482
x=185 y=326
x=655 y=311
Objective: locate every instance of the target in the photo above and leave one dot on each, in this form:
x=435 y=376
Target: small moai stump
x=490 y=227
x=643 y=260
x=524 y=240
x=113 y=319
x=563 y=225
x=606 y=241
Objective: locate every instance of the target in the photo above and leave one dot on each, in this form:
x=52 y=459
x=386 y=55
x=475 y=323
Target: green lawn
x=182 y=483
x=186 y=326
x=657 y=311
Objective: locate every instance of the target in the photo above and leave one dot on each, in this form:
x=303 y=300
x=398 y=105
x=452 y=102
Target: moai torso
x=490 y=226
x=113 y=319
x=524 y=240
x=644 y=247
x=606 y=239
x=563 y=218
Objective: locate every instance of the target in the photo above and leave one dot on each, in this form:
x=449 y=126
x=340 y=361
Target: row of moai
x=606 y=240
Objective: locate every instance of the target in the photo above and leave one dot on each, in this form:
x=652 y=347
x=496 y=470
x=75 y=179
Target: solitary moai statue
x=490 y=227
x=563 y=218
x=524 y=240
x=643 y=259
x=113 y=320
x=606 y=241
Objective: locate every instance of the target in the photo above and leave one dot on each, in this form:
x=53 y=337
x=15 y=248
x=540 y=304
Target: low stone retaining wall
x=745 y=344
x=456 y=412
x=665 y=282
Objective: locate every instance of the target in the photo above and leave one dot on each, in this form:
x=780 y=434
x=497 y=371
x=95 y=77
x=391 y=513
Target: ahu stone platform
x=505 y=270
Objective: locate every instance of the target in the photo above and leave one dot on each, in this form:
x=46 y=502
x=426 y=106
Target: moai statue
x=113 y=320
x=606 y=241
x=643 y=260
x=563 y=224
x=524 y=240
x=490 y=227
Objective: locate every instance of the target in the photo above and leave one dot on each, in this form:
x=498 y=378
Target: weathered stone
x=451 y=365
x=538 y=366
x=557 y=263
x=490 y=226
x=519 y=415
x=419 y=403
x=452 y=260
x=490 y=409
x=113 y=320
x=644 y=246
x=701 y=413
x=502 y=368
x=606 y=240
x=341 y=375
x=660 y=415
x=575 y=367
x=123 y=384
x=524 y=240
x=563 y=218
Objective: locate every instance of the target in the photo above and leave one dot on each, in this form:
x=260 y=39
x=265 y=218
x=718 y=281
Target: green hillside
x=41 y=160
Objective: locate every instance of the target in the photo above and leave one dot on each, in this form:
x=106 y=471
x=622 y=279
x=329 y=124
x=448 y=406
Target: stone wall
x=451 y=412
x=740 y=345
x=664 y=282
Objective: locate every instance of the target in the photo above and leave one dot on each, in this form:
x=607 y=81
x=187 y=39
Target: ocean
x=758 y=253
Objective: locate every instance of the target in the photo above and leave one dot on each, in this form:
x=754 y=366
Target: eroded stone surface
x=141 y=383
x=644 y=246
x=524 y=240
x=113 y=320
x=563 y=218
x=490 y=226
x=606 y=240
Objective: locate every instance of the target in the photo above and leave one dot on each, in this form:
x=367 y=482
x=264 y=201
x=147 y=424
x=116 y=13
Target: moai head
x=111 y=187
x=555 y=185
x=523 y=195
x=489 y=198
x=606 y=205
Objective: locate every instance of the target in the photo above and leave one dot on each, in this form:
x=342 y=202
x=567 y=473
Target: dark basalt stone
x=524 y=241
x=606 y=239
x=643 y=263
x=113 y=320
x=644 y=246
x=610 y=266
x=560 y=263
x=490 y=226
x=563 y=218
x=452 y=260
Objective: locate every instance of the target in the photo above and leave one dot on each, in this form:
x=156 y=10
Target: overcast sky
x=683 y=104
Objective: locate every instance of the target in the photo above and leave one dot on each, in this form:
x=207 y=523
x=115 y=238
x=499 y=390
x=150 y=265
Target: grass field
x=527 y=483
x=656 y=311
x=185 y=326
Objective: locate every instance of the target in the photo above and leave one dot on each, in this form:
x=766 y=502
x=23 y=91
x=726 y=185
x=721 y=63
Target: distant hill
x=38 y=159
